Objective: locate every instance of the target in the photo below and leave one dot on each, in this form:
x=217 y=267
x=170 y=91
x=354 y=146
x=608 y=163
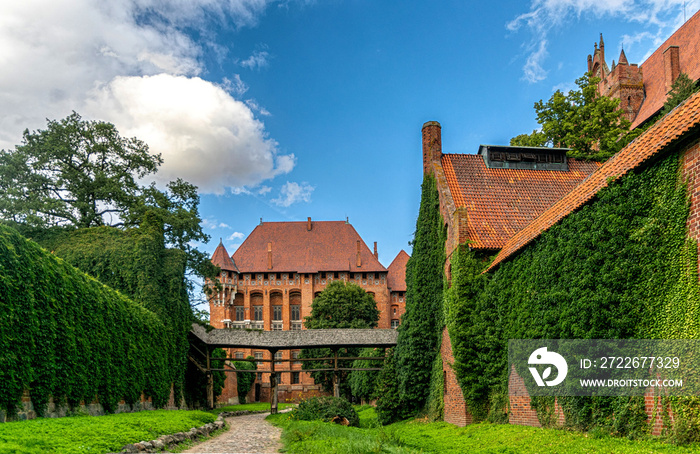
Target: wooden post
x=336 y=385
x=210 y=382
x=273 y=385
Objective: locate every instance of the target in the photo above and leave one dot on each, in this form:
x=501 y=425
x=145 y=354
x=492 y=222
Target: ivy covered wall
x=67 y=335
x=619 y=267
x=136 y=263
x=418 y=346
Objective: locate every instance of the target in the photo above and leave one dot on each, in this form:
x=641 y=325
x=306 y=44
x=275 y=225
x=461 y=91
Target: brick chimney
x=308 y=224
x=269 y=256
x=376 y=254
x=672 y=66
x=432 y=145
x=359 y=259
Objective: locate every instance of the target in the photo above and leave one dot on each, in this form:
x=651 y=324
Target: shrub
x=326 y=408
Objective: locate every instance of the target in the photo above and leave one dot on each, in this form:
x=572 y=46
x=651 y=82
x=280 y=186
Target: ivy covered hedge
x=619 y=267
x=67 y=335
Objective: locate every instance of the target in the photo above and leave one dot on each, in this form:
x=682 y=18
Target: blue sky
x=286 y=109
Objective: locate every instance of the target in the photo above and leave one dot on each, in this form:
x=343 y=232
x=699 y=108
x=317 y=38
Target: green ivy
x=619 y=267
x=67 y=335
x=136 y=263
x=422 y=323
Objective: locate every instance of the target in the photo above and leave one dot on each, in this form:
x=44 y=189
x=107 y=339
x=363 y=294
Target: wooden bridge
x=205 y=341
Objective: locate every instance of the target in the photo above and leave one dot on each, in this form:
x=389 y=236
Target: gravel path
x=248 y=433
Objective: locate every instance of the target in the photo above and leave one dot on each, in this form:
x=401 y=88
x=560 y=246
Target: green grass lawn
x=422 y=437
x=95 y=434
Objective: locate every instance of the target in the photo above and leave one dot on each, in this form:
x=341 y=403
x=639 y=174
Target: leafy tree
x=583 y=120
x=536 y=139
x=343 y=305
x=244 y=380
x=79 y=173
x=340 y=305
x=683 y=87
x=363 y=384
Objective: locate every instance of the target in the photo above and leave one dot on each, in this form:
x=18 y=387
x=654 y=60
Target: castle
x=272 y=278
x=499 y=199
x=643 y=89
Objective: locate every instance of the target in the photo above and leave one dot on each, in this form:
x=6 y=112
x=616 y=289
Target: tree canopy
x=76 y=172
x=583 y=120
x=340 y=305
x=681 y=89
x=343 y=305
x=79 y=173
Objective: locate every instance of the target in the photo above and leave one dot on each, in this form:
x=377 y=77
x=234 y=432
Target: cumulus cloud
x=131 y=63
x=203 y=133
x=544 y=16
x=292 y=192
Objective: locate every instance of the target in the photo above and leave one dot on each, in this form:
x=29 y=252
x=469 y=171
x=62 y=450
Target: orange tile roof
x=328 y=246
x=221 y=258
x=680 y=121
x=500 y=202
x=396 y=278
x=687 y=37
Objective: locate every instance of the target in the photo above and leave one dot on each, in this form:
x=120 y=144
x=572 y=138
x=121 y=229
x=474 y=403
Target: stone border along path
x=248 y=433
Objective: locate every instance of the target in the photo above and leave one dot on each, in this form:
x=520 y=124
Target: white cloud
x=235 y=236
x=255 y=107
x=664 y=16
x=130 y=62
x=235 y=86
x=206 y=136
x=258 y=60
x=293 y=192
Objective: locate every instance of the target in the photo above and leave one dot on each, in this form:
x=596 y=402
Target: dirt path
x=248 y=433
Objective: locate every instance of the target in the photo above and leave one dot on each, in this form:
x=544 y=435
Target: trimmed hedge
x=65 y=334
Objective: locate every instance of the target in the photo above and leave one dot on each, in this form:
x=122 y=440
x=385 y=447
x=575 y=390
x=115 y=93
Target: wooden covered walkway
x=273 y=341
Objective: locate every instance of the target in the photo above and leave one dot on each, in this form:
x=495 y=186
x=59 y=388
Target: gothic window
x=276 y=312
x=296 y=313
x=295 y=378
x=258 y=313
x=240 y=313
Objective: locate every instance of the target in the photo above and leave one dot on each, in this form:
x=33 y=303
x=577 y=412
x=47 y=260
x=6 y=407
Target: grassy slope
x=417 y=436
x=94 y=434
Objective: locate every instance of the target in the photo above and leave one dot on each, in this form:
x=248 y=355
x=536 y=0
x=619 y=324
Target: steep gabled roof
x=328 y=246
x=501 y=201
x=396 y=278
x=687 y=38
x=680 y=121
x=222 y=259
